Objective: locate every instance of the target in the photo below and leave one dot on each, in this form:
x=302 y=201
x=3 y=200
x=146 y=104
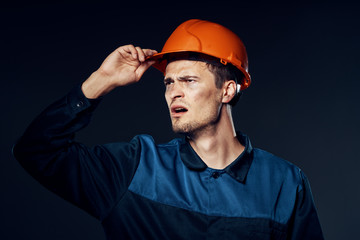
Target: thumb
x=143 y=67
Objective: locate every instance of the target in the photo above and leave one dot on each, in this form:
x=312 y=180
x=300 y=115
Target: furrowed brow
x=188 y=77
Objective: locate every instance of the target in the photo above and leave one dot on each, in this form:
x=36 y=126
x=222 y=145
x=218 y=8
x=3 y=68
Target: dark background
x=303 y=104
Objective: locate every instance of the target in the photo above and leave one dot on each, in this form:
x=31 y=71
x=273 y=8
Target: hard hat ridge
x=206 y=38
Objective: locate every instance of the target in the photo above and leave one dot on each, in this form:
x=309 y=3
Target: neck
x=218 y=146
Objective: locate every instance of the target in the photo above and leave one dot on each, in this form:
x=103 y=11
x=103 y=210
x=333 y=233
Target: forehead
x=186 y=67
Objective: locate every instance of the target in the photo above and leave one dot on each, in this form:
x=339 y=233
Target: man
x=207 y=185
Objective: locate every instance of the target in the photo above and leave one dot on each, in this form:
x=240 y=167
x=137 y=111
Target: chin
x=181 y=128
x=188 y=128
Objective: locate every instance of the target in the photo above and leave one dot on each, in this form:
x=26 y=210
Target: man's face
x=194 y=101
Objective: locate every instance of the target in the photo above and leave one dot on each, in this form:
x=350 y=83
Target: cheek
x=207 y=96
x=167 y=99
x=201 y=94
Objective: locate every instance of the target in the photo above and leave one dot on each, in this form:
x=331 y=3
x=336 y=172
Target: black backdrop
x=303 y=104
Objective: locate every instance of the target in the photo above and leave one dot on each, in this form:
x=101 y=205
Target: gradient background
x=303 y=104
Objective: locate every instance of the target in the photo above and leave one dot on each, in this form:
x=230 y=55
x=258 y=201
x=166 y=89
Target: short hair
x=221 y=72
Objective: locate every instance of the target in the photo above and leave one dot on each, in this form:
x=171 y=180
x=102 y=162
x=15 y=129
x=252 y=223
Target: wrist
x=96 y=85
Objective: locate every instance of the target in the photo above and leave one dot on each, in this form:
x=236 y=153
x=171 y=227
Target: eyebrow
x=188 y=77
x=182 y=78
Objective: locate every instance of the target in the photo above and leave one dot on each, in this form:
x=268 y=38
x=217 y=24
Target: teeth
x=180 y=110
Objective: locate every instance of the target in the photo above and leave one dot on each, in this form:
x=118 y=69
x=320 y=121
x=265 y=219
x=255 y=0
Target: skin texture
x=191 y=85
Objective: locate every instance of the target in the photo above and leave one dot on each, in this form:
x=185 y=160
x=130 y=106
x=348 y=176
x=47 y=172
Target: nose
x=175 y=90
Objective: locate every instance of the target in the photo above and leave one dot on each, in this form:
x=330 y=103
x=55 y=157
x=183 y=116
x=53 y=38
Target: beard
x=186 y=128
x=195 y=127
x=200 y=120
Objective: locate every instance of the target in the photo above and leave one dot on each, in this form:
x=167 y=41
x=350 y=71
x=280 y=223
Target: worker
x=209 y=184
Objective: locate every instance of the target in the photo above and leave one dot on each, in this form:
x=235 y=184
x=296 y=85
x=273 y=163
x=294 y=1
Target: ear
x=229 y=91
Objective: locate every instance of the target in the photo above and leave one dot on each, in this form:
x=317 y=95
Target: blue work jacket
x=143 y=190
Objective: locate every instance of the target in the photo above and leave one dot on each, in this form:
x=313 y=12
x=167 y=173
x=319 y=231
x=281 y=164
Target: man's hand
x=124 y=66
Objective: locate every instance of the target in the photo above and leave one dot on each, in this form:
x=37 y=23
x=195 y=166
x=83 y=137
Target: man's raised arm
x=124 y=66
x=78 y=173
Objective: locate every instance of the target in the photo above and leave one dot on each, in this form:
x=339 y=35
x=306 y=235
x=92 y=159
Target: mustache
x=180 y=102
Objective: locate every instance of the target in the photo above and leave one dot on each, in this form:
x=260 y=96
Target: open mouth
x=178 y=109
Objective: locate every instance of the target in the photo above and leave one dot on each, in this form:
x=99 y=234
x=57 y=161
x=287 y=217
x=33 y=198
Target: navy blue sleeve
x=305 y=222
x=93 y=178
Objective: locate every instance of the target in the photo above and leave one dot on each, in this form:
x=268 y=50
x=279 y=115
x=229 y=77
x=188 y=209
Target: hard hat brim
x=161 y=63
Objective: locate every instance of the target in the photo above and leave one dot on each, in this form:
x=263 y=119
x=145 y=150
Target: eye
x=189 y=80
x=168 y=81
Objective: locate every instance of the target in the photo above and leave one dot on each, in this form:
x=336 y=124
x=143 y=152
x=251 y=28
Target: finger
x=149 y=52
x=129 y=49
x=141 y=54
x=143 y=67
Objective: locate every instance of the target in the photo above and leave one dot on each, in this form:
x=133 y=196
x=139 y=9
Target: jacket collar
x=238 y=169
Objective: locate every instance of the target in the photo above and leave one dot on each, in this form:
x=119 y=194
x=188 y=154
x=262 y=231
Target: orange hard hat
x=207 y=38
